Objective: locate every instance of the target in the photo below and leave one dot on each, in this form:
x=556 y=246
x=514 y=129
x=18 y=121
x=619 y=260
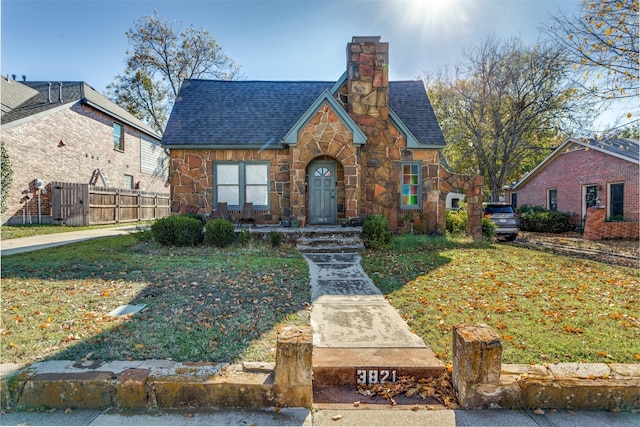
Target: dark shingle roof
x=410 y=102
x=43 y=101
x=260 y=113
x=619 y=147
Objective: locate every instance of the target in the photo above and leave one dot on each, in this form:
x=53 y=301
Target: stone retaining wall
x=482 y=381
x=167 y=384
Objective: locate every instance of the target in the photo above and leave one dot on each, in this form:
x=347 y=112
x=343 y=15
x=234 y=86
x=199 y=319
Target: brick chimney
x=368 y=77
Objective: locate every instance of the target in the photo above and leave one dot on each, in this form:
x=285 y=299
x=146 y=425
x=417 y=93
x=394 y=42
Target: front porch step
x=330 y=240
x=330 y=244
x=347 y=367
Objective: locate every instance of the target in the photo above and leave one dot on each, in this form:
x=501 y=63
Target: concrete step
x=351 y=366
x=330 y=244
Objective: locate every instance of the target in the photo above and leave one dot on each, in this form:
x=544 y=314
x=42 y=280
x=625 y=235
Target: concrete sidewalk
x=34 y=243
x=325 y=417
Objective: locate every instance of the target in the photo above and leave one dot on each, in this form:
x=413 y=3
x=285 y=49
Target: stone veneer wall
x=386 y=147
x=192 y=179
x=324 y=136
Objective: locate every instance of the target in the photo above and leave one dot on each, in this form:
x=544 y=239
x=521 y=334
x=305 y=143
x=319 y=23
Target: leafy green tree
x=7 y=176
x=162 y=57
x=502 y=109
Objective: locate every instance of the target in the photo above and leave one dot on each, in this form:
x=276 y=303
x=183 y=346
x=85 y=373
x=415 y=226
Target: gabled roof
x=26 y=101
x=260 y=114
x=622 y=148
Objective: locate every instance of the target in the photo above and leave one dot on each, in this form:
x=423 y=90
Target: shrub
x=456 y=222
x=244 y=237
x=529 y=209
x=219 y=233
x=488 y=228
x=199 y=217
x=177 y=230
x=546 y=221
x=275 y=237
x=376 y=232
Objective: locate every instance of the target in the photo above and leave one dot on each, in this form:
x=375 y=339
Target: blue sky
x=56 y=40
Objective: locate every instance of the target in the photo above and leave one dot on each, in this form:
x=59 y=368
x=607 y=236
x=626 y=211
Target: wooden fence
x=82 y=204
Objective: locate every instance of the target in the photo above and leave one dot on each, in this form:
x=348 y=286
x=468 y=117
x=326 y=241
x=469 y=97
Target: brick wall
x=596 y=228
x=570 y=171
x=35 y=151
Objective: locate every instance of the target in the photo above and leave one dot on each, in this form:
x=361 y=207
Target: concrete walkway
x=349 y=311
x=44 y=241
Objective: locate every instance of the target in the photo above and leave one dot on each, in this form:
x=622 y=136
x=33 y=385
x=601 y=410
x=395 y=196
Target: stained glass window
x=411 y=194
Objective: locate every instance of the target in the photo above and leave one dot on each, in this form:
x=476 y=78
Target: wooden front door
x=322 y=193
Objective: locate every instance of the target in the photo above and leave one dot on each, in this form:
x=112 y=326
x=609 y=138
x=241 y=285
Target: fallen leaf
x=188 y=415
x=337 y=417
x=356 y=403
x=139 y=346
x=538 y=411
x=68 y=411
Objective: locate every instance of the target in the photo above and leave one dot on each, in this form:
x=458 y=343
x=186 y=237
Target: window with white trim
x=237 y=183
x=411 y=186
x=552 y=199
x=616 y=199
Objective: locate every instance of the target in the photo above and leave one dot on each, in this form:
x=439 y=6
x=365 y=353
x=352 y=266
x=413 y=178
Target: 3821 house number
x=375 y=376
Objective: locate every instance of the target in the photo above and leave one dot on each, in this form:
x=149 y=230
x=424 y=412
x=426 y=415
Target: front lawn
x=546 y=307
x=225 y=305
x=203 y=304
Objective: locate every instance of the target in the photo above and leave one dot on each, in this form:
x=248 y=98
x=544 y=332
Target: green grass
x=203 y=304
x=17 y=231
x=208 y=304
x=547 y=308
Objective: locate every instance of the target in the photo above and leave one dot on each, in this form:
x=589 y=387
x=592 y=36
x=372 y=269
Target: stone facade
x=67 y=146
x=368 y=175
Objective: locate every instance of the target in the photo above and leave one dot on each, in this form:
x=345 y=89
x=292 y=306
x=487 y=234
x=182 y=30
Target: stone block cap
x=365 y=39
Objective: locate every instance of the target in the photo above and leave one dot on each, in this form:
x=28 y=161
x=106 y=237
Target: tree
x=161 y=59
x=601 y=46
x=501 y=110
x=7 y=176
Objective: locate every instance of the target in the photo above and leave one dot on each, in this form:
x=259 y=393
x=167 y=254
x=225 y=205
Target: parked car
x=505 y=219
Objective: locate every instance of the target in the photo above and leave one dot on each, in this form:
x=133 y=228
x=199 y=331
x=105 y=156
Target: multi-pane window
x=118 y=137
x=552 y=202
x=411 y=186
x=237 y=183
x=616 y=199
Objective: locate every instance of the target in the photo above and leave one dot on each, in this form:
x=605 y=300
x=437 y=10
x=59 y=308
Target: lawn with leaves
x=203 y=304
x=545 y=307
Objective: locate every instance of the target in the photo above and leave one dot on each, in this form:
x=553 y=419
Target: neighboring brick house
x=66 y=132
x=580 y=174
x=318 y=152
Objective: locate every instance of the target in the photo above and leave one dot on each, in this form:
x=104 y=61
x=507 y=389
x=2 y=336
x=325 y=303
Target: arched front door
x=323 y=208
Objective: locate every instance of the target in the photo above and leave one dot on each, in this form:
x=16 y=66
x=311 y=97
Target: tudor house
x=315 y=152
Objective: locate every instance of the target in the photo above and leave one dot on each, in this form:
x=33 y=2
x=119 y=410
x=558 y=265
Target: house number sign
x=375 y=376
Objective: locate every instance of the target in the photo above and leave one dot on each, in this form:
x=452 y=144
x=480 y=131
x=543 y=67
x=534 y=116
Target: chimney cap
x=365 y=39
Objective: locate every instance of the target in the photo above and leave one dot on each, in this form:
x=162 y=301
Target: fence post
x=117 y=206
x=86 y=205
x=139 y=206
